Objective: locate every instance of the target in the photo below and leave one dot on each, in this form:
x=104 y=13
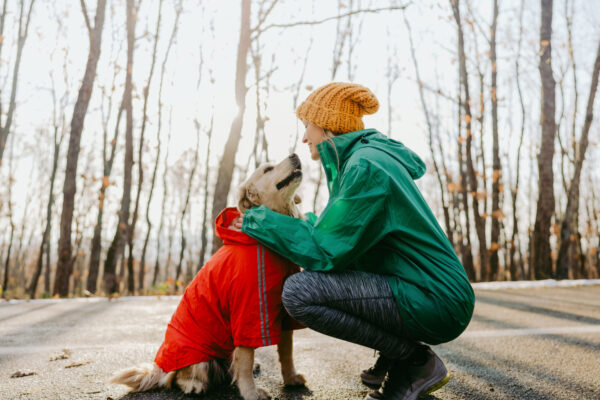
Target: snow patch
x=547 y=283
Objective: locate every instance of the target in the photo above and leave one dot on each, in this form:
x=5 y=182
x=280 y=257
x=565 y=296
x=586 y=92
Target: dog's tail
x=143 y=377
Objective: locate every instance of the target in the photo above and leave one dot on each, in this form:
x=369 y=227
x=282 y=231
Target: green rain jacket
x=377 y=221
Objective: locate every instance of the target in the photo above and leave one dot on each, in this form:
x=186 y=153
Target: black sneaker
x=373 y=376
x=408 y=379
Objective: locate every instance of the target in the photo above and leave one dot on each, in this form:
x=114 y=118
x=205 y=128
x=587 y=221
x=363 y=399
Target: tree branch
x=264 y=17
x=86 y=17
x=299 y=23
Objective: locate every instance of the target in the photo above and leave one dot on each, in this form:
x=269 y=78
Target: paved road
x=521 y=344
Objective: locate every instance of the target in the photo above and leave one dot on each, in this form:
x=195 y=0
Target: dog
x=213 y=334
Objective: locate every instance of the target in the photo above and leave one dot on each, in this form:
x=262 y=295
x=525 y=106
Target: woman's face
x=313 y=135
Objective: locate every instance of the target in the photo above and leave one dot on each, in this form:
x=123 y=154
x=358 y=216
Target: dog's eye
x=268 y=169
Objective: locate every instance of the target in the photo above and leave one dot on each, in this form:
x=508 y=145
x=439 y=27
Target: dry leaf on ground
x=66 y=353
x=77 y=364
x=20 y=374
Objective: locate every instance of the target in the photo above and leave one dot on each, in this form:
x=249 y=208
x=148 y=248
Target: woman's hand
x=237 y=223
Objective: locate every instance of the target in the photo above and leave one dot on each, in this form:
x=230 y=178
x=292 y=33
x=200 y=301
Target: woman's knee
x=296 y=293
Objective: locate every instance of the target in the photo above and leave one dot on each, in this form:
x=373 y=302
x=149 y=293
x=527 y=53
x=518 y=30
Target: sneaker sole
x=438 y=385
x=372 y=381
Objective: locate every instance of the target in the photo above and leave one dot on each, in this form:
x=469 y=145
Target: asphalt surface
x=521 y=344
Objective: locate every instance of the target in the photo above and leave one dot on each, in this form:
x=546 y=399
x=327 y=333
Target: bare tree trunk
x=45 y=237
x=514 y=246
x=466 y=248
x=541 y=259
x=164 y=200
x=443 y=186
x=96 y=247
x=178 y=10
x=22 y=36
x=97 y=238
x=185 y=206
x=567 y=231
x=479 y=221
x=63 y=267
x=227 y=163
x=131 y=231
x=116 y=247
x=12 y=225
x=496 y=164
x=205 y=206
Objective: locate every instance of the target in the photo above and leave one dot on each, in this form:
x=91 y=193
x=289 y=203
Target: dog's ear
x=297 y=199
x=247 y=197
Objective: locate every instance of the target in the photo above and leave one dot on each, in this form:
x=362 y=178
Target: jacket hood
x=227 y=235
x=336 y=151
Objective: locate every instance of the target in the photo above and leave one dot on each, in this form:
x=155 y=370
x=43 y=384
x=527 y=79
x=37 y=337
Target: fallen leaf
x=77 y=364
x=66 y=353
x=20 y=374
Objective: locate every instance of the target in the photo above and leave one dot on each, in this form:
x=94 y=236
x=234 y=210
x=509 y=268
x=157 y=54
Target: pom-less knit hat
x=338 y=107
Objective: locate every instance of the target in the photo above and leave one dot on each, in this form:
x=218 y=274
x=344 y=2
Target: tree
x=178 y=11
x=479 y=220
x=21 y=38
x=227 y=162
x=443 y=186
x=116 y=247
x=541 y=259
x=204 y=240
x=108 y=158
x=496 y=164
x=514 y=247
x=185 y=206
x=131 y=232
x=11 y=223
x=57 y=142
x=61 y=283
x=566 y=231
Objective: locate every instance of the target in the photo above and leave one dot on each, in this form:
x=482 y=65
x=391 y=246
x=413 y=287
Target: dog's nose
x=295 y=160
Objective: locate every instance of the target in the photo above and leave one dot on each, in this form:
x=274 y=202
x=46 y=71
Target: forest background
x=126 y=125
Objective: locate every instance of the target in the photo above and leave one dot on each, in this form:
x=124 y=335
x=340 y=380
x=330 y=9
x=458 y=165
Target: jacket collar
x=335 y=151
x=227 y=235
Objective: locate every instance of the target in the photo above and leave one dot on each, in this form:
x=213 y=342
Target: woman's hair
x=328 y=136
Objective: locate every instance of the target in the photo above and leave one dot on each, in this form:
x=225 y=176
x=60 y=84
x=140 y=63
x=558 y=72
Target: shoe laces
x=381 y=365
x=397 y=376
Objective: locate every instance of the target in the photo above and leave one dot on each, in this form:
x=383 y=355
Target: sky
x=195 y=90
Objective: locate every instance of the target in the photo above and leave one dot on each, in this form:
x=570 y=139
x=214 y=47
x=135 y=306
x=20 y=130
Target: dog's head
x=273 y=186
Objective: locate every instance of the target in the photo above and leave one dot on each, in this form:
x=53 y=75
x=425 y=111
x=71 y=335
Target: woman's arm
x=352 y=222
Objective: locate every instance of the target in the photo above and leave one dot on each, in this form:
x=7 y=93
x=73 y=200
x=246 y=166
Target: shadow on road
x=219 y=393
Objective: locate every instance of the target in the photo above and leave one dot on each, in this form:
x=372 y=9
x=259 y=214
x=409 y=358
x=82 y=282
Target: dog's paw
x=257 y=394
x=263 y=394
x=295 y=380
x=191 y=386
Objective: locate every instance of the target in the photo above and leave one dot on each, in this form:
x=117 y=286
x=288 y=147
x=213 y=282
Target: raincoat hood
x=228 y=235
x=336 y=151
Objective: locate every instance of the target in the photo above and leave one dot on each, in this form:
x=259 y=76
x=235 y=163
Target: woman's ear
x=297 y=199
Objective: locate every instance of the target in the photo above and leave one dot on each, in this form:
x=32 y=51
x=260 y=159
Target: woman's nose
x=304 y=139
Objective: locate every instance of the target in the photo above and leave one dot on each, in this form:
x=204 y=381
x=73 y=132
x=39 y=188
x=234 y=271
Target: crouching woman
x=379 y=270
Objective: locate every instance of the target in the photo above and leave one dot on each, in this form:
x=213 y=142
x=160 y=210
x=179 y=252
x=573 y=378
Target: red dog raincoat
x=234 y=300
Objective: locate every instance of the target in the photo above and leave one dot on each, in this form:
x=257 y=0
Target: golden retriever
x=273 y=186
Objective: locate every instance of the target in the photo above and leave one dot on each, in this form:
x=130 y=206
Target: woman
x=379 y=270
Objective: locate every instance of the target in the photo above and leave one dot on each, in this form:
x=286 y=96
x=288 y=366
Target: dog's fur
x=273 y=186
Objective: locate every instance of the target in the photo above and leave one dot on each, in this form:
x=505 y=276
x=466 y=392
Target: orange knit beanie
x=338 y=107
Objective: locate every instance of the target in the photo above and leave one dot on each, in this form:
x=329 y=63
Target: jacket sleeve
x=353 y=221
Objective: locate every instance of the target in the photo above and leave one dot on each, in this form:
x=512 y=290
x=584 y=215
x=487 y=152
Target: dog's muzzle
x=296 y=172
